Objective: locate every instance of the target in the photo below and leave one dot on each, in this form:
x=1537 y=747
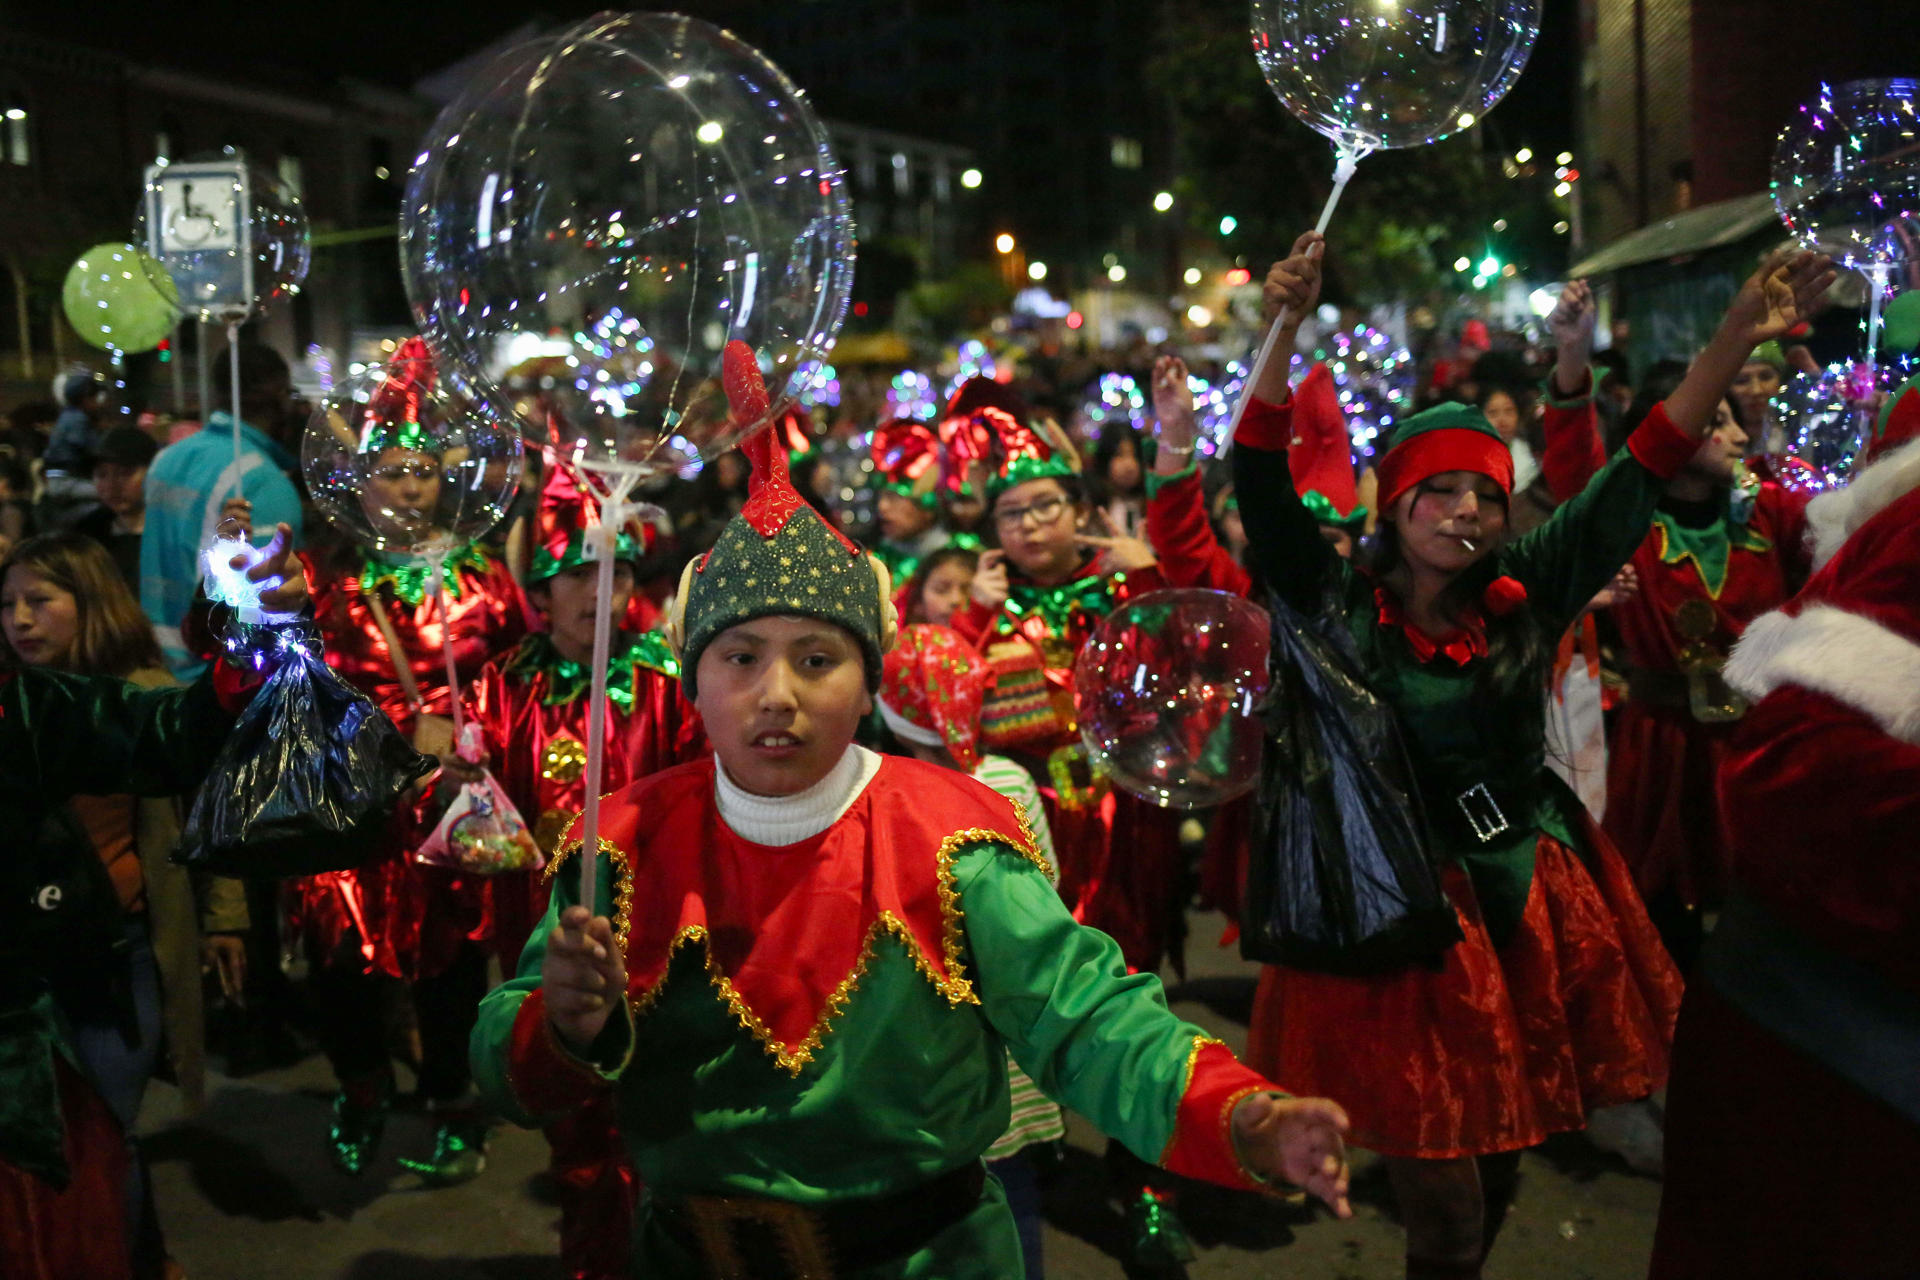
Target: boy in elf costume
x=818 y=960
x=532 y=709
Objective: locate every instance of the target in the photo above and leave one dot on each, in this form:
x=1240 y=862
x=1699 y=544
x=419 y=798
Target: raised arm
x=1177 y=525
x=1283 y=539
x=1577 y=551
x=1574 y=453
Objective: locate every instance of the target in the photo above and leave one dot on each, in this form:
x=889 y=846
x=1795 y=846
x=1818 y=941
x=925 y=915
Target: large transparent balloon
x=604 y=208
x=1826 y=419
x=411 y=459
x=1846 y=173
x=118 y=299
x=1392 y=73
x=227 y=236
x=1164 y=691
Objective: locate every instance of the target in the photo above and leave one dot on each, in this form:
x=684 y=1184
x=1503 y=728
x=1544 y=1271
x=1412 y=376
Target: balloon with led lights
x=625 y=196
x=1846 y=173
x=1164 y=691
x=226 y=237
x=118 y=299
x=1826 y=416
x=1369 y=76
x=411 y=458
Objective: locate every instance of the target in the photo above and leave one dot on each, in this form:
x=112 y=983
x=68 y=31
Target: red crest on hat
x=935 y=683
x=1321 y=453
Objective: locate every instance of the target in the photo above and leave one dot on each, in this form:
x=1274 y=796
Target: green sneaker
x=1159 y=1239
x=359 y=1118
x=459 y=1154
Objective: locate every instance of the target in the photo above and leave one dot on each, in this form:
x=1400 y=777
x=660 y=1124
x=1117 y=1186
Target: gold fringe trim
x=1186 y=1083
x=622 y=880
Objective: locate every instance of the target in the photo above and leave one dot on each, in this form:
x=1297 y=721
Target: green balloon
x=1900 y=322
x=119 y=298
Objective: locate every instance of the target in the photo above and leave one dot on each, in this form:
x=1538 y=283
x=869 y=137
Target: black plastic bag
x=1339 y=879
x=308 y=777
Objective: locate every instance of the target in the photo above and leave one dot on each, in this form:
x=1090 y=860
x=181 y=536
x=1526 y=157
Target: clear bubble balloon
x=1370 y=75
x=605 y=208
x=228 y=237
x=410 y=458
x=1846 y=173
x=1825 y=419
x=118 y=299
x=1164 y=691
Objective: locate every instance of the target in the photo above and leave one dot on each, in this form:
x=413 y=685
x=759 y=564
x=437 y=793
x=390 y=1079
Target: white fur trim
x=1852 y=659
x=1833 y=517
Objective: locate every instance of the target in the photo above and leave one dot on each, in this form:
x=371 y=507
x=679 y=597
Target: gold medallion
x=564 y=760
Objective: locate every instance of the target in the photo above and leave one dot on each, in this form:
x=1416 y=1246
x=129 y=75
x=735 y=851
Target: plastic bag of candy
x=481 y=833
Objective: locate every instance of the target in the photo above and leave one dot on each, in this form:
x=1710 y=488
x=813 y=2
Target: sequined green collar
x=408 y=577
x=568 y=681
x=1055 y=605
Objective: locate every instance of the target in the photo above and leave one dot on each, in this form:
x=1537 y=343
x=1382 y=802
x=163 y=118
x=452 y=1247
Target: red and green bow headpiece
x=778 y=556
x=569 y=508
x=1022 y=449
x=392 y=416
x=1320 y=455
x=965 y=439
x=1447 y=437
x=906 y=459
x=932 y=689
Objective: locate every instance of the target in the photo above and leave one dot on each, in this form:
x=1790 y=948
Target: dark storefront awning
x=1711 y=226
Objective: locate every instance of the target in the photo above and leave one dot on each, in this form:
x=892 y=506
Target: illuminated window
x=1125 y=152
x=292 y=175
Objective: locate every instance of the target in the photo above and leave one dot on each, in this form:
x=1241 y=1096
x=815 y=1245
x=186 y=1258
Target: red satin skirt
x=79 y=1231
x=1663 y=810
x=1121 y=871
x=1497 y=1048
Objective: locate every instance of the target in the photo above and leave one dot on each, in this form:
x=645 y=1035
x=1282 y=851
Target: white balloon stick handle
x=1877 y=286
x=604 y=537
x=1345 y=162
x=438 y=576
x=233 y=375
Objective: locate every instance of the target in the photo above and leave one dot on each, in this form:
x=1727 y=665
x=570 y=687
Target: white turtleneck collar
x=784 y=820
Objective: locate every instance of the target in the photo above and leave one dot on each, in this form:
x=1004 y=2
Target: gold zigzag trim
x=622 y=881
x=1186 y=1083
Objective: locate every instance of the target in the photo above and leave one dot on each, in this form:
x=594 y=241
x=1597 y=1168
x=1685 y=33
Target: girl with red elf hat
x=932 y=688
x=1559 y=998
x=1803 y=1016
x=818 y=958
x=531 y=706
x=393 y=920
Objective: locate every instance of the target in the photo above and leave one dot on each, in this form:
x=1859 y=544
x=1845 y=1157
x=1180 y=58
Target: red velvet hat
x=931 y=690
x=1321 y=453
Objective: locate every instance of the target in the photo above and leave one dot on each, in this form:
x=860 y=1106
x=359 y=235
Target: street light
x=1563 y=190
x=1192 y=276
x=709 y=132
x=1198 y=316
x=1463 y=265
x=1227 y=225
x=1523 y=155
x=1003 y=242
x=1036 y=271
x=1116 y=273
x=970 y=179
x=1489 y=265
x=1163 y=202
x=1565 y=157
x=1499 y=224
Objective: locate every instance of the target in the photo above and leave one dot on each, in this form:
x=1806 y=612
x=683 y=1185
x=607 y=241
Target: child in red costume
x=1804 y=1013
x=393 y=920
x=532 y=708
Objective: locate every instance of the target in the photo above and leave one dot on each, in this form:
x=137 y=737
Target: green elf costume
x=810 y=1057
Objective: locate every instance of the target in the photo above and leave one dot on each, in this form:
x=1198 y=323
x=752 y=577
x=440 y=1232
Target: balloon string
x=1345 y=162
x=233 y=374
x=1877 y=285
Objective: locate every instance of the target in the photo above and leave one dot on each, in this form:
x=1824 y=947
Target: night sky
x=394 y=45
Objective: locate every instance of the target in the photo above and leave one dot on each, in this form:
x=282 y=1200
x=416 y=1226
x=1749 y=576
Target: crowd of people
x=869 y=915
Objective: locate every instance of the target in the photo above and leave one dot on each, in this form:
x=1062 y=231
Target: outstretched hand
x=1296 y=1140
x=276 y=563
x=1119 y=553
x=1173 y=401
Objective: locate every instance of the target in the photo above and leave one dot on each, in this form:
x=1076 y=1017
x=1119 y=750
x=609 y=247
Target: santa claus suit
x=1800 y=1033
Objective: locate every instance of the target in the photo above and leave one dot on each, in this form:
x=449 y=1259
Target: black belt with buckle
x=760 y=1238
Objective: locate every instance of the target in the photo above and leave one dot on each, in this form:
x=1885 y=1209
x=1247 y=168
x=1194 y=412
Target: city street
x=245 y=1192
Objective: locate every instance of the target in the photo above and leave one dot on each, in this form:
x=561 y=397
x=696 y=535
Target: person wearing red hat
x=1558 y=998
x=1803 y=1017
x=814 y=960
x=393 y=920
x=532 y=709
